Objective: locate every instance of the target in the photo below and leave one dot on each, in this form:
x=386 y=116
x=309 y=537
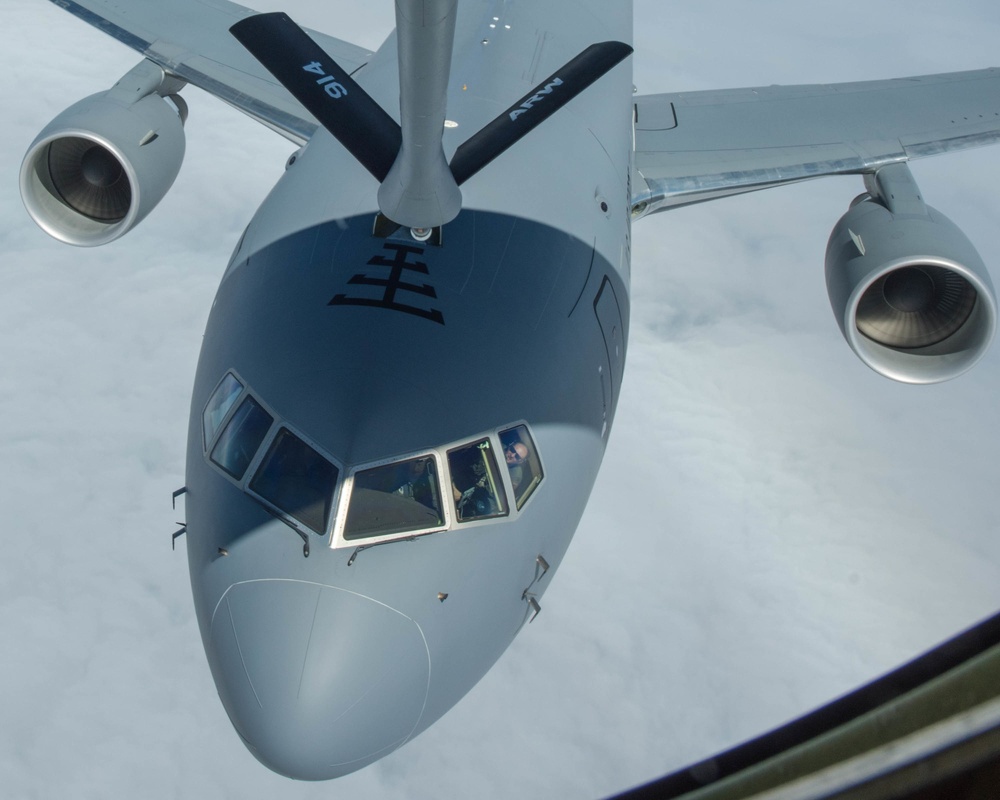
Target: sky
x=773 y=525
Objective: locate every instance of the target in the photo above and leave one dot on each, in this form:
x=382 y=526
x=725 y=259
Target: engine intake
x=910 y=292
x=104 y=163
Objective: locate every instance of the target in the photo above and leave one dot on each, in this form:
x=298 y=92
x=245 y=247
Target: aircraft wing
x=191 y=39
x=696 y=146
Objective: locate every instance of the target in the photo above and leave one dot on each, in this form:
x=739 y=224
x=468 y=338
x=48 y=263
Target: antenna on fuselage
x=419 y=188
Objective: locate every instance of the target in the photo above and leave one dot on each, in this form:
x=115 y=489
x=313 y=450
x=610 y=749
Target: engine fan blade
x=915 y=306
x=89 y=178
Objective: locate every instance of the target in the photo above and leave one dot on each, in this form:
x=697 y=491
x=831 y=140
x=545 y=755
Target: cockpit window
x=398 y=499
x=475 y=482
x=219 y=403
x=241 y=437
x=522 y=462
x=297 y=480
x=395 y=498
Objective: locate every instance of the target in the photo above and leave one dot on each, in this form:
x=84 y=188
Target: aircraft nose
x=318 y=681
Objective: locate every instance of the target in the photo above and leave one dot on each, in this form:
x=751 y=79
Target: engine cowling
x=910 y=292
x=102 y=165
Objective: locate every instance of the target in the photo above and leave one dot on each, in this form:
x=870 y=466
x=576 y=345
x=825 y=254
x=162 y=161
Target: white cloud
x=773 y=524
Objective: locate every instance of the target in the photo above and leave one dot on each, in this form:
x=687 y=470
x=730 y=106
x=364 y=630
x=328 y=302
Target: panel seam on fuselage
x=420 y=630
x=239 y=650
x=305 y=660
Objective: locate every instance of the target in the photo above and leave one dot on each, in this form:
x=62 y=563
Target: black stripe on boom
x=535 y=107
x=324 y=88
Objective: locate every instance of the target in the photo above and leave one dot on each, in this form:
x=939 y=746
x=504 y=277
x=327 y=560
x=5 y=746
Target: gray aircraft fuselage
x=377 y=348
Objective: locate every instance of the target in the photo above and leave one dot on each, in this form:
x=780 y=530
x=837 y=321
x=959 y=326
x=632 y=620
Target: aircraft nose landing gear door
x=609 y=317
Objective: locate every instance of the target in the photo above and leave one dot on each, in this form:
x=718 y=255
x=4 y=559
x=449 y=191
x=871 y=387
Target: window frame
x=209 y=442
x=493 y=438
x=252 y=463
x=343 y=488
x=258 y=460
x=518 y=506
x=338 y=539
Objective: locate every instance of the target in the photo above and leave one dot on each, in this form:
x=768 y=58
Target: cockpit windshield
x=395 y=498
x=219 y=404
x=475 y=482
x=461 y=484
x=297 y=480
x=241 y=437
x=522 y=462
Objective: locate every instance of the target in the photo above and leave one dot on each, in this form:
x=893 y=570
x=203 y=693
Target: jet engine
x=105 y=162
x=910 y=292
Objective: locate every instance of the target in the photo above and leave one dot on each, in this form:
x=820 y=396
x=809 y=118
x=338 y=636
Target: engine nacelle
x=103 y=164
x=910 y=292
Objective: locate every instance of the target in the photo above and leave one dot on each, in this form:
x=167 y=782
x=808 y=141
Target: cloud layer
x=774 y=523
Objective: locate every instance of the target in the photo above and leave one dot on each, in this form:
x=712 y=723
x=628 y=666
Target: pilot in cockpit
x=475 y=483
x=416 y=479
x=515 y=453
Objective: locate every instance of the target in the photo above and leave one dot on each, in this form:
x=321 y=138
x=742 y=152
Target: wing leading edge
x=191 y=39
x=689 y=147
x=697 y=146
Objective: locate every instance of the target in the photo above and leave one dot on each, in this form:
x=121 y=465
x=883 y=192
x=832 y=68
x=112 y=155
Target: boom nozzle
x=420 y=190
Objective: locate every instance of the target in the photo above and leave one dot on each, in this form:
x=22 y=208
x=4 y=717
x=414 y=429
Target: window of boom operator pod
x=400 y=497
x=297 y=480
x=523 y=464
x=475 y=482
